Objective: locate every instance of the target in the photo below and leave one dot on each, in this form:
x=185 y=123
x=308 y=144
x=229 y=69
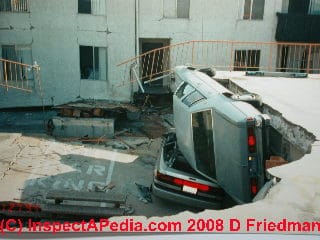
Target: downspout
x=136 y=33
x=137 y=26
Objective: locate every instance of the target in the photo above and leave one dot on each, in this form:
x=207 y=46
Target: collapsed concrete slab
x=82 y=127
x=293 y=138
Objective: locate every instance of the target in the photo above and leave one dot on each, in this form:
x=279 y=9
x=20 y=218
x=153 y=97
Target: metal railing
x=14 y=5
x=223 y=55
x=18 y=75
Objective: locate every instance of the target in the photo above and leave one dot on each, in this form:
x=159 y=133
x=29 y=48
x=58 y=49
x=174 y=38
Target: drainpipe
x=136 y=35
x=137 y=26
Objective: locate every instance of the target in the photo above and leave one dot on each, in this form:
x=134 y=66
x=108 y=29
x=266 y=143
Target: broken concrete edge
x=97 y=104
x=265 y=189
x=297 y=135
x=75 y=127
x=275 y=161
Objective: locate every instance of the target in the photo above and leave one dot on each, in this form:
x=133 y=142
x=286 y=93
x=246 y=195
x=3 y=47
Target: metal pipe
x=137 y=27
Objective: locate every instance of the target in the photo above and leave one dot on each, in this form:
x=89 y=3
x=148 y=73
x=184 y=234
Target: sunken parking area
x=34 y=164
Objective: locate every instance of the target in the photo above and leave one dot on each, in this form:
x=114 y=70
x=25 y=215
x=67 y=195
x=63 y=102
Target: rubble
x=81 y=127
x=275 y=161
x=145 y=193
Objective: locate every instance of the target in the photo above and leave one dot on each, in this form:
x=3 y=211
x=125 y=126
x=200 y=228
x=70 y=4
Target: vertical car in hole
x=219 y=147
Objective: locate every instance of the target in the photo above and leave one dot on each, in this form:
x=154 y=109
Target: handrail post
x=309 y=59
x=5 y=75
x=154 y=54
x=270 y=56
x=192 y=53
x=231 y=54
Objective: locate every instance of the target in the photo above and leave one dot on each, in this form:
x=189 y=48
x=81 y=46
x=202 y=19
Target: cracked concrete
x=299 y=138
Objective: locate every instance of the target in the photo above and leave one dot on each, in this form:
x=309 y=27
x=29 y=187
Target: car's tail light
x=182 y=182
x=164 y=177
x=199 y=186
x=253 y=186
x=251 y=140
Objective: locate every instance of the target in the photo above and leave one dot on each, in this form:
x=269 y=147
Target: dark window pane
x=253 y=60
x=203 y=142
x=298 y=6
x=9 y=53
x=184 y=90
x=21 y=54
x=246 y=60
x=86 y=62
x=84 y=6
x=193 y=98
x=183 y=7
x=240 y=60
x=257 y=9
x=149 y=69
x=5 y=5
x=96 y=63
x=314 y=7
x=20 y=5
x=247 y=9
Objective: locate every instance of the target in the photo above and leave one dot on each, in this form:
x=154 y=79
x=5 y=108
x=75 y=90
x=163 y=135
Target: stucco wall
x=55 y=30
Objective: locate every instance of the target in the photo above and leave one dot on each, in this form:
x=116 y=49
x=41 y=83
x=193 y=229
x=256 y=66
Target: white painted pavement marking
x=109 y=177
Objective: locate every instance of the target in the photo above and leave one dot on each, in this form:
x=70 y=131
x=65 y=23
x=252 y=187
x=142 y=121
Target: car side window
x=184 y=90
x=202 y=128
x=193 y=98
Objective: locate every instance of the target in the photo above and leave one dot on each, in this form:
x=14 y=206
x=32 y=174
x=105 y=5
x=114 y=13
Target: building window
x=95 y=7
x=176 y=8
x=314 y=7
x=93 y=62
x=253 y=9
x=14 y=5
x=246 y=60
x=84 y=6
x=17 y=53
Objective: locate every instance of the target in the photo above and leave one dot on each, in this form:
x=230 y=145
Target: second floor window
x=253 y=9
x=14 y=5
x=176 y=8
x=314 y=7
x=95 y=7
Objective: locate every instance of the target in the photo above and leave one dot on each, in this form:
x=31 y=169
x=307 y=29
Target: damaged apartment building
x=135 y=78
x=79 y=43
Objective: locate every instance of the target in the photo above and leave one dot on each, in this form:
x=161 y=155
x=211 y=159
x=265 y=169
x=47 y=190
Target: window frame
x=23 y=7
x=183 y=86
x=186 y=91
x=248 y=55
x=93 y=7
x=196 y=155
x=95 y=49
x=314 y=7
x=84 y=12
x=251 y=11
x=25 y=74
x=176 y=15
x=193 y=98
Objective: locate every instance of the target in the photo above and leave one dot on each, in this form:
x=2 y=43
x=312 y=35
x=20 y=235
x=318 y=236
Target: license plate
x=189 y=189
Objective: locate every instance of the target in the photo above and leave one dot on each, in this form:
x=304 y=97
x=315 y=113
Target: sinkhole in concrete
x=287 y=139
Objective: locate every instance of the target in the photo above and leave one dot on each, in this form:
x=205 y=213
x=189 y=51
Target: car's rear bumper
x=182 y=198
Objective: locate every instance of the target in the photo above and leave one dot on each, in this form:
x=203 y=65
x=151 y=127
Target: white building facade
x=78 y=43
